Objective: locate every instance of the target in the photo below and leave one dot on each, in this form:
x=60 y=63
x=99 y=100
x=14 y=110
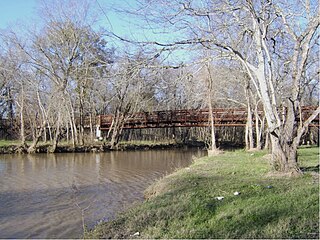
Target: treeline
x=56 y=78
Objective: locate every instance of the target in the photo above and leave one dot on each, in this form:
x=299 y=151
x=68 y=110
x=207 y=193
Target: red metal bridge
x=191 y=118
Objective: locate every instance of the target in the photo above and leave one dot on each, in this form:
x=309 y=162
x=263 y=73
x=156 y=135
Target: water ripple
x=44 y=195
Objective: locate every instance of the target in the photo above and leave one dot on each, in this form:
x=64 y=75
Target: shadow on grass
x=311 y=169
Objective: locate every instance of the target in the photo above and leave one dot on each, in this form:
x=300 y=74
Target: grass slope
x=184 y=204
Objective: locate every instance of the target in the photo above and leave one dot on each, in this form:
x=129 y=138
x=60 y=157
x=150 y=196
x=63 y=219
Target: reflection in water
x=42 y=195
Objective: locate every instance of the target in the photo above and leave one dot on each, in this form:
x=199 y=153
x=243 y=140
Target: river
x=49 y=195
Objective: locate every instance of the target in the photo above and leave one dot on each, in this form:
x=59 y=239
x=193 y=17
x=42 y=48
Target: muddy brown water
x=44 y=195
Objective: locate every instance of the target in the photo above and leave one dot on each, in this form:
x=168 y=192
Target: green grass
x=4 y=143
x=184 y=204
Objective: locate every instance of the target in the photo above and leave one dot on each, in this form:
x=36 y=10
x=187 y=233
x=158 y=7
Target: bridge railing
x=190 y=117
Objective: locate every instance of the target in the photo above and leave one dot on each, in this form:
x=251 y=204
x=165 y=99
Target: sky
x=13 y=11
x=25 y=12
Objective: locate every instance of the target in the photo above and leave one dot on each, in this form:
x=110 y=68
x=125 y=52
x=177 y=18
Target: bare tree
x=129 y=82
x=261 y=36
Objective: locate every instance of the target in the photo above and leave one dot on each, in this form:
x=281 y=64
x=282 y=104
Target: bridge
x=191 y=118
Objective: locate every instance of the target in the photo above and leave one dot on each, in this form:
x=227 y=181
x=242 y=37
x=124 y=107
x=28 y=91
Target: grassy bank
x=184 y=204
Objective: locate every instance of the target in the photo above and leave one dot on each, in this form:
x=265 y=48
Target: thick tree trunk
x=116 y=134
x=284 y=156
x=36 y=138
x=55 y=141
x=114 y=143
x=285 y=142
x=116 y=130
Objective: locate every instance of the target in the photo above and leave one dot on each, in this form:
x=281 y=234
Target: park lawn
x=184 y=204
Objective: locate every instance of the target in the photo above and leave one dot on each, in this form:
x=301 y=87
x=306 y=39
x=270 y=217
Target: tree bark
x=249 y=129
x=22 y=127
x=22 y=121
x=116 y=130
x=213 y=137
x=32 y=147
x=284 y=156
x=57 y=135
x=259 y=129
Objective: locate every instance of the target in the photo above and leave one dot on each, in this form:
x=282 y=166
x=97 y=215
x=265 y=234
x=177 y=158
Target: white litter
x=236 y=193
x=219 y=198
x=136 y=234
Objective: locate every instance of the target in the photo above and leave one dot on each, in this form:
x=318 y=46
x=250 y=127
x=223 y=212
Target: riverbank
x=232 y=195
x=11 y=147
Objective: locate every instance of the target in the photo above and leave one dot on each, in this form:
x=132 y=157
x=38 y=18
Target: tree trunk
x=22 y=131
x=284 y=156
x=259 y=129
x=10 y=109
x=267 y=141
x=114 y=144
x=67 y=132
x=285 y=142
x=213 y=137
x=249 y=130
x=22 y=125
x=37 y=135
x=81 y=124
x=45 y=134
x=209 y=93
x=91 y=128
x=36 y=138
x=75 y=130
x=116 y=130
x=56 y=137
x=50 y=132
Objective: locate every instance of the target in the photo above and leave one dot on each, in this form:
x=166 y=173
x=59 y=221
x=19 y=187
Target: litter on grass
x=219 y=198
x=135 y=234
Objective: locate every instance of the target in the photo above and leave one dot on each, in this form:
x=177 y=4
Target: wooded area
x=250 y=54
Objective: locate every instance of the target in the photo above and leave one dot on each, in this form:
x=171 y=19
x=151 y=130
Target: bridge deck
x=189 y=118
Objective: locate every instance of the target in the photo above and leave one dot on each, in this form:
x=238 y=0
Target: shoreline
x=186 y=204
x=99 y=147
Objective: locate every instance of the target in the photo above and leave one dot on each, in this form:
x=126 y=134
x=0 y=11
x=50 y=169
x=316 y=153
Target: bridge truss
x=191 y=118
